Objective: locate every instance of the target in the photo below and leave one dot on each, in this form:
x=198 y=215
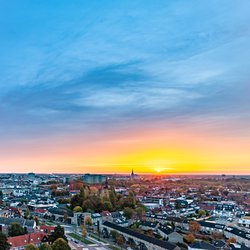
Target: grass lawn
x=96 y=237
x=115 y=248
x=80 y=238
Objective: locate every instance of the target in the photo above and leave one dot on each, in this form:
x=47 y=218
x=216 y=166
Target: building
x=94 y=178
x=21 y=241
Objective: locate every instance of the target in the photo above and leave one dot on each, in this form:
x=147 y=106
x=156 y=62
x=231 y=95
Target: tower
x=132 y=173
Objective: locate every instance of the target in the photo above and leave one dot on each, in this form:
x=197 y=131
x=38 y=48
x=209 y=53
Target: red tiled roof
x=47 y=229
x=23 y=240
x=40 y=210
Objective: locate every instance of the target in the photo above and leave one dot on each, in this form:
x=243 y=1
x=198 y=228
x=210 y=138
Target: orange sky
x=148 y=150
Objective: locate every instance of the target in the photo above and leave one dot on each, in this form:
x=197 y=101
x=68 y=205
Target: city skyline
x=107 y=86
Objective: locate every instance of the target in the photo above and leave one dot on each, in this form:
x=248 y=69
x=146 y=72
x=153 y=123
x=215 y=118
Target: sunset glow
x=104 y=87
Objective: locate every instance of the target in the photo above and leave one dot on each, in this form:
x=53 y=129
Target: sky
x=106 y=86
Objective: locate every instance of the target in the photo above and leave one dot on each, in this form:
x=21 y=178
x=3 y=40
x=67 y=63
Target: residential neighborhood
x=125 y=211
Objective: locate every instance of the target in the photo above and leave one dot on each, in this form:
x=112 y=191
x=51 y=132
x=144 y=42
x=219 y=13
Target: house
x=241 y=236
x=138 y=238
x=201 y=245
x=147 y=225
x=220 y=244
x=19 y=242
x=169 y=234
x=209 y=227
x=28 y=224
x=40 y=212
x=47 y=229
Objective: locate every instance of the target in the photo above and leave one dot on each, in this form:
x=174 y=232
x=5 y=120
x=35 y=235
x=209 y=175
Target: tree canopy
x=4 y=242
x=16 y=229
x=60 y=244
x=57 y=234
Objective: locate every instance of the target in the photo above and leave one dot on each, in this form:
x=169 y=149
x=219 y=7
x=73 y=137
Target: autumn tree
x=84 y=232
x=88 y=221
x=231 y=240
x=189 y=238
x=120 y=240
x=194 y=226
x=77 y=209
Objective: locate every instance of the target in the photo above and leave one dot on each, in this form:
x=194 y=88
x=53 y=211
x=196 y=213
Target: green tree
x=114 y=234
x=1 y=193
x=58 y=233
x=4 y=245
x=112 y=197
x=140 y=212
x=15 y=229
x=45 y=246
x=75 y=201
x=201 y=213
x=107 y=205
x=60 y=244
x=31 y=247
x=128 y=212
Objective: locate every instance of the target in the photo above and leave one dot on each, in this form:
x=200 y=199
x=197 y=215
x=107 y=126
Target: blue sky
x=69 y=66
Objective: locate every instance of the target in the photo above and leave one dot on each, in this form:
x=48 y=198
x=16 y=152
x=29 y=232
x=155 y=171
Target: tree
x=27 y=213
x=88 y=221
x=201 y=213
x=15 y=229
x=45 y=246
x=65 y=216
x=140 y=212
x=36 y=219
x=194 y=226
x=112 y=197
x=1 y=193
x=107 y=205
x=58 y=233
x=120 y=240
x=31 y=247
x=217 y=235
x=128 y=212
x=189 y=238
x=84 y=232
x=60 y=244
x=77 y=209
x=4 y=242
x=231 y=240
x=114 y=234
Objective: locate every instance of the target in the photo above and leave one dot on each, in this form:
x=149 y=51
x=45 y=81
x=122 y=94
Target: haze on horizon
x=106 y=86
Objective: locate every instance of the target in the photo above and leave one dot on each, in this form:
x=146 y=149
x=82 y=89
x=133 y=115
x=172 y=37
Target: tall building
x=94 y=178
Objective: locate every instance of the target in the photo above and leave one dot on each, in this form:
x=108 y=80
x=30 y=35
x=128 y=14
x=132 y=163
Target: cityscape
x=124 y=125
